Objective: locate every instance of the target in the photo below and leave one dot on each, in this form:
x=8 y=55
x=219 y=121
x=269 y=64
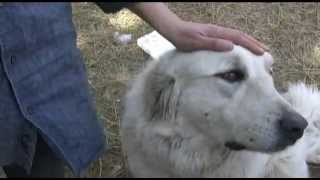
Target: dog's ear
x=161 y=96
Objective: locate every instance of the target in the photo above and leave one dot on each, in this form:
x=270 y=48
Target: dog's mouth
x=235 y=146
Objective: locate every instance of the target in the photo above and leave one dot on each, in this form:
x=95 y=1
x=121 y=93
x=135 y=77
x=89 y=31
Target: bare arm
x=158 y=16
x=189 y=36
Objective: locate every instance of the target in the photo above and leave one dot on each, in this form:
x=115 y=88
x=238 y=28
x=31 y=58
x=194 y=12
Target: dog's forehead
x=209 y=62
x=248 y=58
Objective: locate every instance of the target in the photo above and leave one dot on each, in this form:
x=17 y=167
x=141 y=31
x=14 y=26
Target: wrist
x=160 y=17
x=172 y=31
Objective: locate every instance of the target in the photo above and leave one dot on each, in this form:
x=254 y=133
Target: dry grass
x=291 y=30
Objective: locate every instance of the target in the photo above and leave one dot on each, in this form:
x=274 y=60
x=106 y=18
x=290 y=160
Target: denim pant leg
x=45 y=164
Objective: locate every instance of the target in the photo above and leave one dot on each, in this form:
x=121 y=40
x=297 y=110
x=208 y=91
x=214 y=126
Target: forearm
x=158 y=16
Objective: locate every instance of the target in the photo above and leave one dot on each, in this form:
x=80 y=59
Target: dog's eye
x=231 y=76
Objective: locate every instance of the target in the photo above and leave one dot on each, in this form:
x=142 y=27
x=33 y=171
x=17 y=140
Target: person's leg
x=14 y=171
x=45 y=164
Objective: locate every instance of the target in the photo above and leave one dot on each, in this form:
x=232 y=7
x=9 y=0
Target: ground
x=291 y=30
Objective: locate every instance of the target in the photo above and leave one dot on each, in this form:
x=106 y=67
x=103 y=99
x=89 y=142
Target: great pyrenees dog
x=218 y=114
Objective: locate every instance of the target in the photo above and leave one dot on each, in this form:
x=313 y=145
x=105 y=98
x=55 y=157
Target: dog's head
x=227 y=98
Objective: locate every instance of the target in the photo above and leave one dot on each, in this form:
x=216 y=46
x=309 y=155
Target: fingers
x=214 y=44
x=263 y=46
x=237 y=37
x=252 y=46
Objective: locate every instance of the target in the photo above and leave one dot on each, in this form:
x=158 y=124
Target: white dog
x=214 y=114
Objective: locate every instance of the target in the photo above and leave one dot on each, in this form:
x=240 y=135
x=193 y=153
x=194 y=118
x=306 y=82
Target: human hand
x=190 y=36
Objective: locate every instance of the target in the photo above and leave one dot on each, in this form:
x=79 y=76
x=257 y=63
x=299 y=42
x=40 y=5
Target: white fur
x=178 y=116
x=306 y=100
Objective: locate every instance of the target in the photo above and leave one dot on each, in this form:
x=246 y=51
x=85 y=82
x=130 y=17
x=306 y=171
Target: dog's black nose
x=293 y=125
